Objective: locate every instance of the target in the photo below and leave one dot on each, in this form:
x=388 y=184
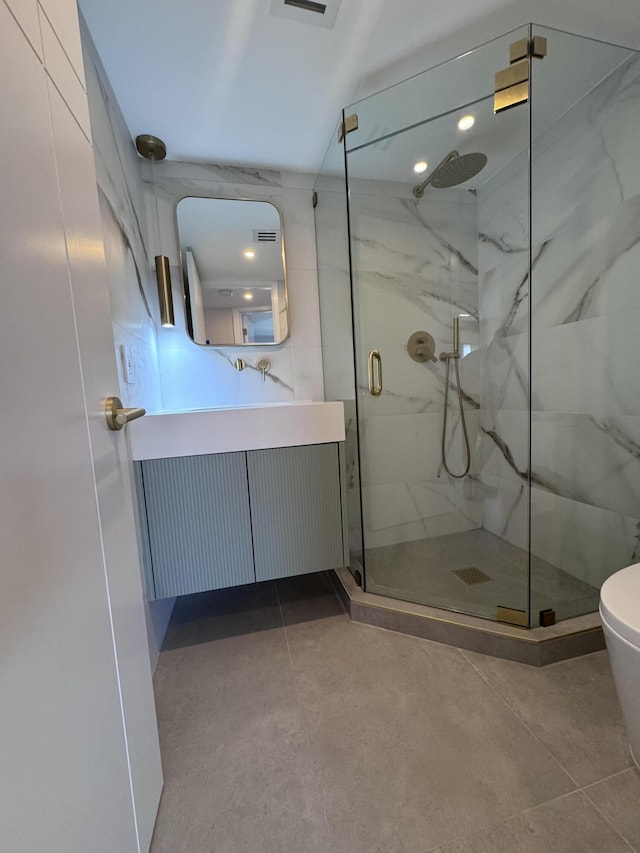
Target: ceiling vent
x=323 y=13
x=308 y=5
x=265 y=236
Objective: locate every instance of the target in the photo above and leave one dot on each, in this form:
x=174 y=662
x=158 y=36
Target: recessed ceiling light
x=248 y=295
x=420 y=166
x=249 y=253
x=466 y=122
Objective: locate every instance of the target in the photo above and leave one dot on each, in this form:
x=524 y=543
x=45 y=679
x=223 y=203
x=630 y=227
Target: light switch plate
x=128 y=367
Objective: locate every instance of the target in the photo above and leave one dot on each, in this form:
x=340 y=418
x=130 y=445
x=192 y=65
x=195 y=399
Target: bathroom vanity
x=236 y=496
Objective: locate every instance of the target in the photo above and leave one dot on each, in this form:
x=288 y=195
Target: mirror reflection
x=233 y=272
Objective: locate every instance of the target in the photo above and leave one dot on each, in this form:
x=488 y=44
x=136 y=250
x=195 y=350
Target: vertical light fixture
x=154 y=149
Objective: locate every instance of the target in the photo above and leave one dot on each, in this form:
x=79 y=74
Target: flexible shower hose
x=463 y=420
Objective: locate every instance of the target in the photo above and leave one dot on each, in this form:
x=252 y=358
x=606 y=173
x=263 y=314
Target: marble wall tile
x=143 y=355
x=586 y=541
x=307 y=378
x=505 y=445
x=505 y=379
x=133 y=296
x=584 y=269
x=588 y=366
x=591 y=459
x=304 y=313
x=401 y=448
x=208 y=377
x=195 y=377
x=584 y=313
x=506 y=510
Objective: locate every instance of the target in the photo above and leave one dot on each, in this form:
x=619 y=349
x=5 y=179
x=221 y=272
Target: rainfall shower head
x=455 y=169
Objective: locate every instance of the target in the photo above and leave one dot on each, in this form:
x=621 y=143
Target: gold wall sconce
x=154 y=149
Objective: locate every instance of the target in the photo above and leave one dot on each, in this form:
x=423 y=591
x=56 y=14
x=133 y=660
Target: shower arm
x=419 y=190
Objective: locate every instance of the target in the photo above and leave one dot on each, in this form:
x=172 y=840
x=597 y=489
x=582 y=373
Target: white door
x=79 y=758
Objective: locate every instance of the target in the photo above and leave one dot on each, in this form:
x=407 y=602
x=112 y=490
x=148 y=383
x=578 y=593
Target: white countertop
x=167 y=434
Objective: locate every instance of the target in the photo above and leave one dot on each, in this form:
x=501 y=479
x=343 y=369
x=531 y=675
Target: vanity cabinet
x=224 y=519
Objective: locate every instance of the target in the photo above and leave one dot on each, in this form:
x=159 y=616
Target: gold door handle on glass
x=375 y=373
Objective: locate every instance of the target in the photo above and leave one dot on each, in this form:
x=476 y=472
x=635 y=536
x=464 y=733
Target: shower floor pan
x=476 y=572
x=397 y=569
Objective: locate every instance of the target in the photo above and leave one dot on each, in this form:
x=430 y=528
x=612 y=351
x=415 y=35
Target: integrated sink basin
x=200 y=431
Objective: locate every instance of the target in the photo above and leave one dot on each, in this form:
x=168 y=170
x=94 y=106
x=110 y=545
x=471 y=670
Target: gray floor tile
x=409 y=740
x=618 y=798
x=239 y=774
x=286 y=728
x=207 y=616
x=214 y=689
x=571 y=706
x=306 y=598
x=568 y=825
x=255 y=789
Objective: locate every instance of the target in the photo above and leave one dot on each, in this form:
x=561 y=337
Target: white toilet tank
x=620 y=613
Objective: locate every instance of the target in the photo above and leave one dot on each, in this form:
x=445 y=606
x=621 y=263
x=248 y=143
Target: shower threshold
x=534 y=646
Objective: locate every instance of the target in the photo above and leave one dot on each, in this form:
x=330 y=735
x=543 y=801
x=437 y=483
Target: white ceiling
x=226 y=81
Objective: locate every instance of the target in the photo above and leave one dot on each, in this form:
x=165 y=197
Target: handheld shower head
x=455 y=169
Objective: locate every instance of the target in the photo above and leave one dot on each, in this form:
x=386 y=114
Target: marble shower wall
x=193 y=376
x=415 y=266
x=585 y=303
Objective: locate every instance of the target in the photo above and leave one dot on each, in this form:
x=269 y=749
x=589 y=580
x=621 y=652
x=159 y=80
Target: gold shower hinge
x=512 y=83
x=350 y=123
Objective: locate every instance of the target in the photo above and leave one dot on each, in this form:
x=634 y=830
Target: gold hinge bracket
x=512 y=83
x=349 y=124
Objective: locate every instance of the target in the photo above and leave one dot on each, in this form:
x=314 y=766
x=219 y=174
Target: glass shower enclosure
x=478 y=233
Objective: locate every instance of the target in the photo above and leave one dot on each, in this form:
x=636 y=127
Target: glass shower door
x=440 y=274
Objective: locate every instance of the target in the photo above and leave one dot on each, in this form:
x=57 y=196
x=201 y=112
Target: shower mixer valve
x=422 y=347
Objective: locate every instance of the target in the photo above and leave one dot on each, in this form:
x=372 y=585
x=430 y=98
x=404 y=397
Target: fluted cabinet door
x=295 y=510
x=198 y=521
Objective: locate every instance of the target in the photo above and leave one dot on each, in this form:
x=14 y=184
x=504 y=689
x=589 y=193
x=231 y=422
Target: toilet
x=620 y=614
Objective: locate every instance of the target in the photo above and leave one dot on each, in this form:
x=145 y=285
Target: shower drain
x=472 y=575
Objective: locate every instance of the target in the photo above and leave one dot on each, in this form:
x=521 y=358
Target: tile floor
x=422 y=571
x=286 y=728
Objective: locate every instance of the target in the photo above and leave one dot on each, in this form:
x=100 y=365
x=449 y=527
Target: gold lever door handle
x=117 y=416
x=375 y=384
